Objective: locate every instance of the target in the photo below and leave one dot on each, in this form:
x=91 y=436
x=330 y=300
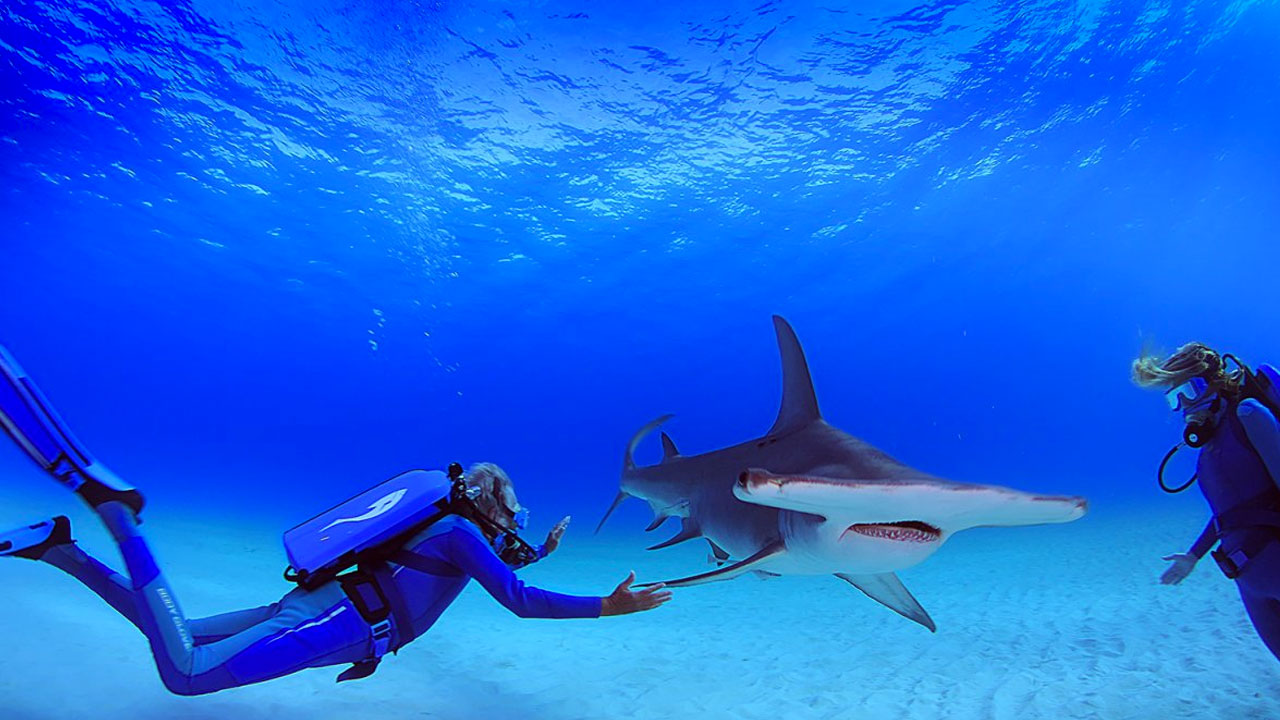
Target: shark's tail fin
x=629 y=463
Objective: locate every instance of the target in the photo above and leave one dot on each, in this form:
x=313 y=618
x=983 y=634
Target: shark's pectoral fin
x=766 y=554
x=657 y=522
x=688 y=530
x=622 y=495
x=889 y=591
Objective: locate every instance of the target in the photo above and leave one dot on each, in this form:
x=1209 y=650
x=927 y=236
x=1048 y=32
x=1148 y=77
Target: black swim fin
x=32 y=541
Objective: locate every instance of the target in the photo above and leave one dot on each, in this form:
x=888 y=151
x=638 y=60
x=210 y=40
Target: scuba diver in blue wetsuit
x=372 y=576
x=1230 y=413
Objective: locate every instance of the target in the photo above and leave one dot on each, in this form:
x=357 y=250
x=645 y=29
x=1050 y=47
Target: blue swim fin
x=34 y=425
x=32 y=541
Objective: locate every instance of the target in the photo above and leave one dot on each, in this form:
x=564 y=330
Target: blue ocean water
x=264 y=254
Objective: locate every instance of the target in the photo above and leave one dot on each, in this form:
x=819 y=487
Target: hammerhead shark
x=810 y=499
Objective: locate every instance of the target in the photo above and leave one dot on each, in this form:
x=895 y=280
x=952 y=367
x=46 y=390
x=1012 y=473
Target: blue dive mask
x=1189 y=394
x=521 y=518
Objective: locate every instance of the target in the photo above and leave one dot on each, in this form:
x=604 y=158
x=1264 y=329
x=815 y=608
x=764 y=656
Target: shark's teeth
x=910 y=531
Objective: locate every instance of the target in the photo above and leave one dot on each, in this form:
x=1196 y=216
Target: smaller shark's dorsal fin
x=799 y=404
x=668 y=448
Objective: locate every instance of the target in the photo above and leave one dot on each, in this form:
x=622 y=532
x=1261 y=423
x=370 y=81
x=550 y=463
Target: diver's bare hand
x=624 y=601
x=1182 y=566
x=557 y=532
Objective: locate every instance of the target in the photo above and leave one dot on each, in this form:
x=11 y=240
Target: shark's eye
x=742 y=479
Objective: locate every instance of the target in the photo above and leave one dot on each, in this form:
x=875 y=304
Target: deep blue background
x=264 y=254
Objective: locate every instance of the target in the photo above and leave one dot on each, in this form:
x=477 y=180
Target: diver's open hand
x=624 y=600
x=557 y=532
x=1182 y=566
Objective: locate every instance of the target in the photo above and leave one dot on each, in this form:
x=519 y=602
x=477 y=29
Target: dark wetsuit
x=305 y=628
x=1239 y=468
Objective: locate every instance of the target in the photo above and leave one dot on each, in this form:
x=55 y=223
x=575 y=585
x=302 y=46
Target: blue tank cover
x=369 y=519
x=1269 y=379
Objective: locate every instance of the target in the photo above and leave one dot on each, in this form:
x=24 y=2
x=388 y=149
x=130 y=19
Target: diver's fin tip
x=33 y=541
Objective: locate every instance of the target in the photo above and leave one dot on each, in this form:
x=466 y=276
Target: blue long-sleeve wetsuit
x=1239 y=471
x=304 y=629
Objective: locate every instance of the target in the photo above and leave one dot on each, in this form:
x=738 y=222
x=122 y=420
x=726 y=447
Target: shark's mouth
x=909 y=531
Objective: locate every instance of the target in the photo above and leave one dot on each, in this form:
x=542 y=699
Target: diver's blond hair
x=1190 y=361
x=495 y=487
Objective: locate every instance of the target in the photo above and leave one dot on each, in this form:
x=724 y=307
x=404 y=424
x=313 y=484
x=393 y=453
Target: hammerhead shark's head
x=808 y=499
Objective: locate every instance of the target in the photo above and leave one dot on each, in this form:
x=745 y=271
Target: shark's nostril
x=742 y=478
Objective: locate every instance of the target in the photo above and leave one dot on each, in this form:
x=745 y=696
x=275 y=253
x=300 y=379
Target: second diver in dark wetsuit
x=1230 y=414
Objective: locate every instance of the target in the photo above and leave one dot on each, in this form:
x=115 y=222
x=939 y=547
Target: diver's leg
x=299 y=635
x=1265 y=613
x=109 y=585
x=50 y=542
x=220 y=627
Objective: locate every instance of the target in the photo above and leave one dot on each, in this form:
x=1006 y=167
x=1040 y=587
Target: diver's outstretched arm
x=1264 y=434
x=1184 y=563
x=468 y=551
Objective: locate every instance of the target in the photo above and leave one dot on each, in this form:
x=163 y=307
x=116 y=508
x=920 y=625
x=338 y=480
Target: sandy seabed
x=1045 y=622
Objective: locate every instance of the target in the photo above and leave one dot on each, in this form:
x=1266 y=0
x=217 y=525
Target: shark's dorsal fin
x=799 y=404
x=668 y=447
x=889 y=591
